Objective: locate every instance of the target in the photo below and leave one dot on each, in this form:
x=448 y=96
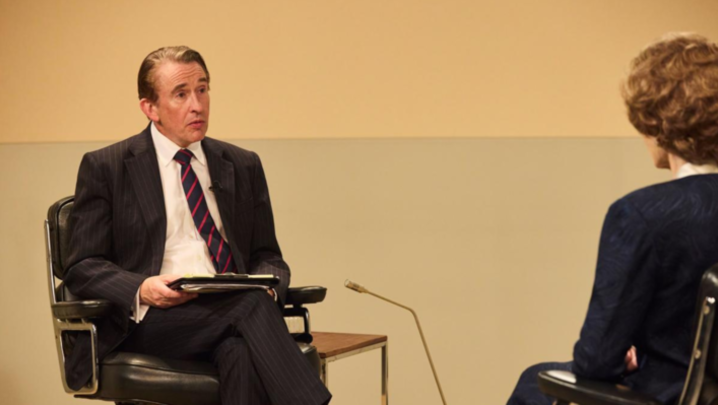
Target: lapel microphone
x=215 y=187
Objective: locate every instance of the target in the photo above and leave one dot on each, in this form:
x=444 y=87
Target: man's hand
x=155 y=293
x=631 y=360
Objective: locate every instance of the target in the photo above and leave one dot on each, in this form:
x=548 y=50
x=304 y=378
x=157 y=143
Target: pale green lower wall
x=492 y=241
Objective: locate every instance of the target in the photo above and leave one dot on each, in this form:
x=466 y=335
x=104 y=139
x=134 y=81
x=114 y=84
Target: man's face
x=181 y=112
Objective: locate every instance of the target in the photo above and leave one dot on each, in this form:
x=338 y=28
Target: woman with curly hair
x=656 y=242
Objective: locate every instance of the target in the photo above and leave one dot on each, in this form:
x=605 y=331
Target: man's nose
x=195 y=103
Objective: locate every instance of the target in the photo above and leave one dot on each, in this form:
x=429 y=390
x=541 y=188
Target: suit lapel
x=221 y=172
x=144 y=175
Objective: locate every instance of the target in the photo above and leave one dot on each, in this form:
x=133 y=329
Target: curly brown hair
x=672 y=94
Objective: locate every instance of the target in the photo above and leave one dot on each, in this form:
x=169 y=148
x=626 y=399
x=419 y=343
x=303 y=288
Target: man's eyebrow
x=183 y=85
x=179 y=87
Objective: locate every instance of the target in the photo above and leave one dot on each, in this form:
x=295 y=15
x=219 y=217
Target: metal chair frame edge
x=61 y=325
x=692 y=388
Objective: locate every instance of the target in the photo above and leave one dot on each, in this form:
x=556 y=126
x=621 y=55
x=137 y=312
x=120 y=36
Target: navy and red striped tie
x=218 y=248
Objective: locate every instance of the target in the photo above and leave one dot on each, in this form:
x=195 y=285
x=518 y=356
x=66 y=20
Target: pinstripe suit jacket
x=119 y=228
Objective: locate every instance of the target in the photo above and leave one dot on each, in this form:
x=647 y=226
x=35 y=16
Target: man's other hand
x=631 y=360
x=155 y=293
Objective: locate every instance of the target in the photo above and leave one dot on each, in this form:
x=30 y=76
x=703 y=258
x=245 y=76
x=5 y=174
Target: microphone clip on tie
x=215 y=187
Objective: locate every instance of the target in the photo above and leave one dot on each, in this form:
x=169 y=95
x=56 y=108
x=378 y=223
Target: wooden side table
x=335 y=346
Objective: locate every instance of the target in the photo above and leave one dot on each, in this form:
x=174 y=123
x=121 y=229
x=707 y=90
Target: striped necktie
x=221 y=254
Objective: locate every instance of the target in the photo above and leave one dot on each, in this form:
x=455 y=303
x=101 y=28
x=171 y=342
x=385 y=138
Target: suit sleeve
x=622 y=292
x=266 y=257
x=91 y=271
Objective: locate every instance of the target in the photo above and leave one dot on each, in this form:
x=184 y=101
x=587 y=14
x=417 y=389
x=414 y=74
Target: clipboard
x=218 y=283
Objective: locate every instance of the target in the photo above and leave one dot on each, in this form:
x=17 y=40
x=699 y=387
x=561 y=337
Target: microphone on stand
x=361 y=289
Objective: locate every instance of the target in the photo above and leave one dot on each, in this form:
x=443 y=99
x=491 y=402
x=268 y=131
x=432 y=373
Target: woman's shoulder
x=685 y=195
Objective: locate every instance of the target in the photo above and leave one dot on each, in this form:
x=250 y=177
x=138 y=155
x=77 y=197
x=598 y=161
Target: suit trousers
x=245 y=336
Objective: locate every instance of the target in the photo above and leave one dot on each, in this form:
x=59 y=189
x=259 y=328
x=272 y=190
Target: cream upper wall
x=323 y=69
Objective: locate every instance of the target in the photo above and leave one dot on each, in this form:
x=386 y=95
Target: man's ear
x=150 y=109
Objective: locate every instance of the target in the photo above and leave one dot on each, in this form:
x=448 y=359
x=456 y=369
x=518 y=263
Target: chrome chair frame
x=61 y=326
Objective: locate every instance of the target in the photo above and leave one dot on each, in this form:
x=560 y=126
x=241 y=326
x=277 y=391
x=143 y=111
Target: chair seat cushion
x=127 y=377
x=131 y=376
x=569 y=387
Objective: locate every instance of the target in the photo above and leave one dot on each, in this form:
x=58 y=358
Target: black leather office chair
x=701 y=385
x=135 y=378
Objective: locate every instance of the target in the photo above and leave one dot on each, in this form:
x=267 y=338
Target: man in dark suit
x=170 y=201
x=656 y=242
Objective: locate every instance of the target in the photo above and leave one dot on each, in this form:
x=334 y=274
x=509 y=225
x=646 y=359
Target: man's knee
x=244 y=302
x=256 y=295
x=262 y=299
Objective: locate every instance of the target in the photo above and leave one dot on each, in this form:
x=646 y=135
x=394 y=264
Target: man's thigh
x=196 y=328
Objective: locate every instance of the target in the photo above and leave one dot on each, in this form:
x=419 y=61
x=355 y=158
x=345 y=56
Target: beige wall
x=502 y=141
x=336 y=69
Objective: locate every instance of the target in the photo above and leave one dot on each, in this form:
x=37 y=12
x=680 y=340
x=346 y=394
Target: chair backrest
x=58 y=223
x=701 y=385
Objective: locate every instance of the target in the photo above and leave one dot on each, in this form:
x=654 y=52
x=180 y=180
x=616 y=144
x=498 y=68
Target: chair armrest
x=568 y=387
x=81 y=309
x=299 y=296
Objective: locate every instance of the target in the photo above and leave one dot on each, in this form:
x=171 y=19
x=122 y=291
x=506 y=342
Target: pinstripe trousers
x=245 y=336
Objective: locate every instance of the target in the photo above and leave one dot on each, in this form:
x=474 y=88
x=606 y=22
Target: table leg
x=324 y=372
x=385 y=374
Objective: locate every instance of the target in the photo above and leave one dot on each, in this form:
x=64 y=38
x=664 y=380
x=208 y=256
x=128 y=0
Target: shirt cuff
x=138 y=310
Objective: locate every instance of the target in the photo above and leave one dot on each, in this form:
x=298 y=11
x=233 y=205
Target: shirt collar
x=166 y=149
x=689 y=169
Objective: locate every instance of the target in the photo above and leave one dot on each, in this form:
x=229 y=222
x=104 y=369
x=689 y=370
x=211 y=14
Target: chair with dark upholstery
x=131 y=377
x=701 y=385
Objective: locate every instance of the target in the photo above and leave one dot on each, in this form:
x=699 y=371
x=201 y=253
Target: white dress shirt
x=185 y=250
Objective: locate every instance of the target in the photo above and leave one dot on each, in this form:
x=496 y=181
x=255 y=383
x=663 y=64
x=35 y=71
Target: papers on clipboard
x=219 y=283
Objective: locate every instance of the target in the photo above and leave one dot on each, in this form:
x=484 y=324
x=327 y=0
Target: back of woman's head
x=672 y=94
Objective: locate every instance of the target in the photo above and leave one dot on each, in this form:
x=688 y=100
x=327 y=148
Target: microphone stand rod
x=361 y=289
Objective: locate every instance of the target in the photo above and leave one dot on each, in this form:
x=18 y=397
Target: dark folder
x=216 y=283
